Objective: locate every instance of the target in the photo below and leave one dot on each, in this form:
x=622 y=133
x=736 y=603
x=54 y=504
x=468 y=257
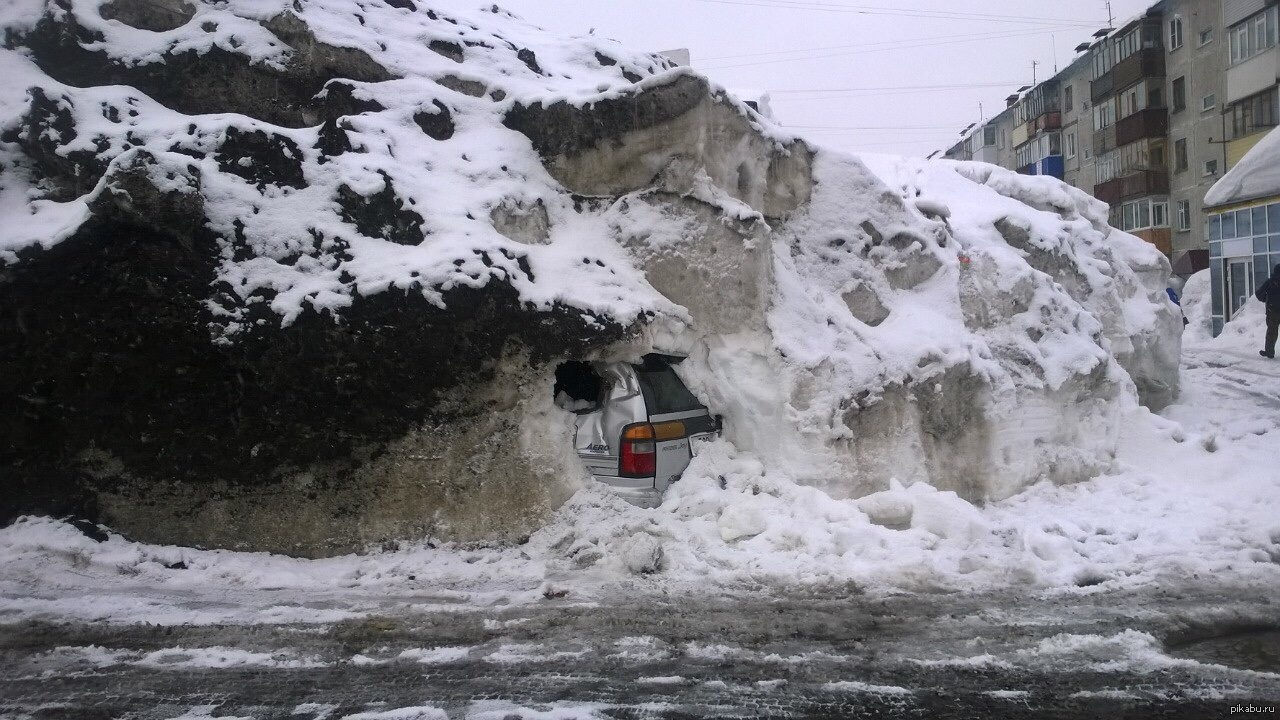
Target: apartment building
x=1151 y=113
x=1253 y=66
x=978 y=143
x=985 y=141
x=1195 y=64
x=1147 y=118
x=1131 y=125
x=1077 y=124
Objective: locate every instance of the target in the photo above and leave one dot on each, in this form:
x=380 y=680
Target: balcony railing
x=1149 y=123
x=1104 y=140
x=1101 y=88
x=1142 y=64
x=1137 y=184
x=1049 y=121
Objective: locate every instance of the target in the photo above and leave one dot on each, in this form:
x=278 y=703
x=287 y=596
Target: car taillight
x=639 y=456
x=672 y=430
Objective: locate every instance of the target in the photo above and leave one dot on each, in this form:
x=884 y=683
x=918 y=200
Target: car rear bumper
x=645 y=497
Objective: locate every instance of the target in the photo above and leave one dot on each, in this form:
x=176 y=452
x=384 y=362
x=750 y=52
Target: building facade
x=1244 y=244
x=1037 y=131
x=1253 y=66
x=1077 y=124
x=1131 y=127
x=1244 y=228
x=1148 y=117
x=1195 y=65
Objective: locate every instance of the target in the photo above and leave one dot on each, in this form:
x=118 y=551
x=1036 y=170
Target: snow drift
x=294 y=276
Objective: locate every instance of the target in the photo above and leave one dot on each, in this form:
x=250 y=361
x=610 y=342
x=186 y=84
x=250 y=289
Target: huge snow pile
x=1257 y=175
x=323 y=257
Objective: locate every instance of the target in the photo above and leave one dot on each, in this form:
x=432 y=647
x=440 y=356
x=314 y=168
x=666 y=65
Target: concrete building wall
x=1077 y=123
x=1201 y=64
x=1004 y=138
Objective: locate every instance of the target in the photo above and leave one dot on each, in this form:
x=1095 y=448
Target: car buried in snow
x=637 y=425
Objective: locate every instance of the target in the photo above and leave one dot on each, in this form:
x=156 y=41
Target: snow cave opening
x=577 y=387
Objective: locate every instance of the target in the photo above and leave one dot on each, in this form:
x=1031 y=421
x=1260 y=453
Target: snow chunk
x=1256 y=175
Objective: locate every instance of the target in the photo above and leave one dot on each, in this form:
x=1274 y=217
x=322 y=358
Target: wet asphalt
x=807 y=653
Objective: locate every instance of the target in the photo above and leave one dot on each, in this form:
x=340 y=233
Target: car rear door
x=675 y=414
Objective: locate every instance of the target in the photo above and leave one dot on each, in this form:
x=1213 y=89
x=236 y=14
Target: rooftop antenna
x=1054 y=40
x=1111 y=20
x=980 y=115
x=1034 y=63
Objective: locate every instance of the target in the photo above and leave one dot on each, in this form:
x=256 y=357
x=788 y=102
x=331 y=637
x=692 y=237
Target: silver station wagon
x=638 y=426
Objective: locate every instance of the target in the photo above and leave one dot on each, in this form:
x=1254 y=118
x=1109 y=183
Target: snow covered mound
x=318 y=261
x=1198 y=306
x=954 y=324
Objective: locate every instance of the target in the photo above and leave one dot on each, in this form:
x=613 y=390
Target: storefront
x=1244 y=244
x=1243 y=210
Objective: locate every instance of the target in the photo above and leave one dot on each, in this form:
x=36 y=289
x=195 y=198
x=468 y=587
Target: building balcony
x=1048 y=121
x=1135 y=184
x=1241 y=145
x=1101 y=88
x=1019 y=134
x=1253 y=75
x=1104 y=140
x=1052 y=166
x=1161 y=237
x=1149 y=123
x=1142 y=64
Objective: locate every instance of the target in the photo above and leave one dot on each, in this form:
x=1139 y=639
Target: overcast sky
x=898 y=76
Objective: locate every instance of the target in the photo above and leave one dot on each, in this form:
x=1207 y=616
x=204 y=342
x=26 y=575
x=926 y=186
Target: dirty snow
x=1193 y=493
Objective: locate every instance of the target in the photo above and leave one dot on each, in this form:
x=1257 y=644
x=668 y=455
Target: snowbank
x=1198 y=306
x=336 y=305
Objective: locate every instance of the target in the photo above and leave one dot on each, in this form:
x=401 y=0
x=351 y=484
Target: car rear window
x=663 y=390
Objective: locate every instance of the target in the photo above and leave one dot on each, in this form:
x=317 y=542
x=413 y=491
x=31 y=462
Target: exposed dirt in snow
x=292 y=273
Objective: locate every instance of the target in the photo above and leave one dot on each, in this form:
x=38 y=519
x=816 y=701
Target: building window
x=1104 y=114
x=1210 y=167
x=1032 y=152
x=1206 y=36
x=1071 y=145
x=1207 y=103
x=1253 y=36
x=1133 y=100
x=1106 y=167
x=1253 y=114
x=1157 y=156
x=1126 y=46
x=1160 y=214
x=1179 y=94
x=1184 y=215
x=1101 y=60
x=1180 y=155
x=1141 y=214
x=1068 y=101
x=1175 y=34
